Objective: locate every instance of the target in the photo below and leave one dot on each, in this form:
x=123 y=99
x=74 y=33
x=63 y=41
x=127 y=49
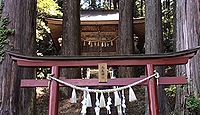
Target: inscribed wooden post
x=102 y=72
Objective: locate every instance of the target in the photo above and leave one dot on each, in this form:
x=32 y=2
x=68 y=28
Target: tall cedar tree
x=125 y=43
x=22 y=19
x=154 y=42
x=71 y=35
x=187 y=36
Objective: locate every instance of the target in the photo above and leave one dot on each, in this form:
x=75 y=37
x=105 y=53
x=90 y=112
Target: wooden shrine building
x=99 y=32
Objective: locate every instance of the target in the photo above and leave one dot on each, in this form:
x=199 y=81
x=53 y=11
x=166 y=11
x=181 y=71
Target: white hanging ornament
x=84 y=43
x=111 y=43
x=119 y=110
x=108 y=104
x=88 y=73
x=117 y=99
x=84 y=106
x=112 y=75
x=95 y=43
x=132 y=96
x=97 y=108
x=84 y=109
x=73 y=96
x=102 y=44
x=123 y=103
x=105 y=44
x=89 y=43
x=102 y=101
x=89 y=102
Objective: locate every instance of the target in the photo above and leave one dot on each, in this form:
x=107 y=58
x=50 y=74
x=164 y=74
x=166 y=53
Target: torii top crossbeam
x=149 y=60
x=125 y=60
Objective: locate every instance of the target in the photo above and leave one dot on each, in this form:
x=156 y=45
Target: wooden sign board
x=103 y=75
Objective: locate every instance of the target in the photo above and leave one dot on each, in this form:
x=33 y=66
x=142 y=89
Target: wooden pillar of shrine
x=54 y=90
x=152 y=91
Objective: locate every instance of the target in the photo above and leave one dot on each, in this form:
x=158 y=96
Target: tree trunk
x=71 y=34
x=125 y=43
x=9 y=87
x=154 y=43
x=153 y=27
x=187 y=37
x=21 y=15
x=27 y=35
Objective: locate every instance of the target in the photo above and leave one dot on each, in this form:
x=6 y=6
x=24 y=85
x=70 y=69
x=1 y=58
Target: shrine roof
x=97 y=16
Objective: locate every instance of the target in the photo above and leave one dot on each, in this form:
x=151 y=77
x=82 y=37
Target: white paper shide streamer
x=118 y=103
x=119 y=110
x=84 y=104
x=89 y=101
x=102 y=101
x=132 y=96
x=109 y=103
x=97 y=108
x=73 y=96
x=123 y=103
x=117 y=99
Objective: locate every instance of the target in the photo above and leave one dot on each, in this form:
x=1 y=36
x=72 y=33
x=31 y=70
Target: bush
x=193 y=104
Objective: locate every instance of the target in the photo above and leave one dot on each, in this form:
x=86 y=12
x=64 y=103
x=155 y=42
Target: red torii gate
x=149 y=60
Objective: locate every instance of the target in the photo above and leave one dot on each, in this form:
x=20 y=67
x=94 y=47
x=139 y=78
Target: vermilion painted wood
x=28 y=83
x=148 y=60
x=187 y=53
x=53 y=97
x=152 y=92
x=127 y=60
x=89 y=63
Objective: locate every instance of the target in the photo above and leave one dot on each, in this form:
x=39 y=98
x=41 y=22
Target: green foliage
x=171 y=91
x=60 y=3
x=48 y=8
x=93 y=5
x=4 y=33
x=193 y=104
x=139 y=8
x=167 y=24
x=43 y=72
x=105 y=6
x=44 y=43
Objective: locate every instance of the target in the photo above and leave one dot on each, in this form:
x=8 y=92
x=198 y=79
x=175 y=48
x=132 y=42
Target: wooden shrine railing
x=149 y=61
